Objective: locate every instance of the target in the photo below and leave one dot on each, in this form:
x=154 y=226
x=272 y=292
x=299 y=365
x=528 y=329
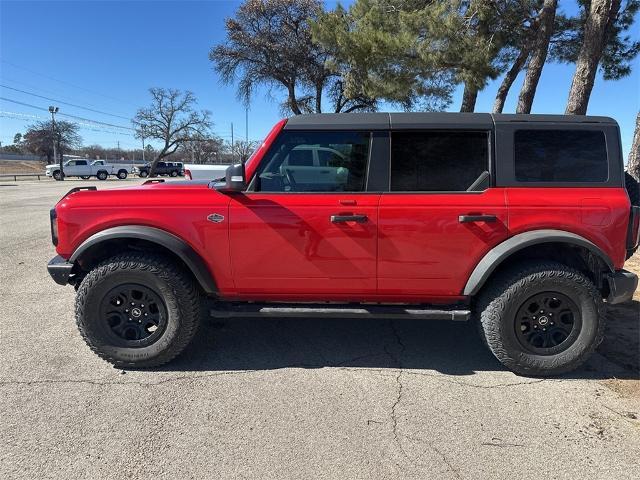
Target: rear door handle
x=477 y=218
x=348 y=218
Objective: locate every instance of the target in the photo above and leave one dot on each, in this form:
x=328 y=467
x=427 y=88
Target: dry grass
x=9 y=167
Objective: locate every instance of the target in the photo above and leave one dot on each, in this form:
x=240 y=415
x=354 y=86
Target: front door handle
x=477 y=218
x=348 y=218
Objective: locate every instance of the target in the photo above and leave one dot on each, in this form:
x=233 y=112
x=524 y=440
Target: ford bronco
x=520 y=223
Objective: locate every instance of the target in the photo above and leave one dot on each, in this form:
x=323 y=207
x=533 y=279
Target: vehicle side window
x=560 y=156
x=81 y=162
x=161 y=164
x=289 y=164
x=438 y=161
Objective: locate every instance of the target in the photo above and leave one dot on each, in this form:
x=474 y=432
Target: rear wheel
x=102 y=175
x=138 y=310
x=57 y=175
x=541 y=319
x=85 y=177
x=122 y=174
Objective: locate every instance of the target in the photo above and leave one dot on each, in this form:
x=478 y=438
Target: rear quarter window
x=560 y=156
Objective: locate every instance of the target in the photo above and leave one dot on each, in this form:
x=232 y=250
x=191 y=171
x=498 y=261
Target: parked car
x=201 y=171
x=162 y=169
x=519 y=223
x=86 y=169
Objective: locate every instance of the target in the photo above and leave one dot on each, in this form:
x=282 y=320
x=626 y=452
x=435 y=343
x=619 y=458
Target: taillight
x=53 y=218
x=187 y=174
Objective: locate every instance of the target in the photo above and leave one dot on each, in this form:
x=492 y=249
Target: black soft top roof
x=420 y=120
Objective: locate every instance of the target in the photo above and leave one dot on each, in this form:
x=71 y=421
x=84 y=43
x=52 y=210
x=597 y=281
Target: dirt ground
x=622 y=339
x=8 y=167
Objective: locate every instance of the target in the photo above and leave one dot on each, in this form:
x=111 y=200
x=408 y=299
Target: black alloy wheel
x=135 y=315
x=547 y=323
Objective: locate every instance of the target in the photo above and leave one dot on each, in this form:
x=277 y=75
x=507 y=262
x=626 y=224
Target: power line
x=84 y=125
x=97 y=122
x=64 y=82
x=47 y=91
x=63 y=103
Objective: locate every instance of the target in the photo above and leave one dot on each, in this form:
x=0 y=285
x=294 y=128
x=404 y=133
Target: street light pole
x=53 y=110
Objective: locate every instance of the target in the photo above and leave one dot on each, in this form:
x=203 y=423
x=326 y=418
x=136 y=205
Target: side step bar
x=254 y=310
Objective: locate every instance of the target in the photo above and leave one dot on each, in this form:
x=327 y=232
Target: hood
x=151 y=194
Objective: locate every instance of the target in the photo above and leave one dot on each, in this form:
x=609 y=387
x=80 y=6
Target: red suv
x=521 y=223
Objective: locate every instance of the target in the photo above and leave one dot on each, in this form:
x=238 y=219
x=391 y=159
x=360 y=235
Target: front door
x=440 y=216
x=307 y=229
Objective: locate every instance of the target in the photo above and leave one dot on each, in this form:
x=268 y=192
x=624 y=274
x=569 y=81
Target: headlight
x=54 y=226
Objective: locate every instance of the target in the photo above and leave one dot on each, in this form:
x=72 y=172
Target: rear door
x=441 y=214
x=305 y=230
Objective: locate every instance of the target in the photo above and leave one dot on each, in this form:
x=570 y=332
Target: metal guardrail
x=16 y=175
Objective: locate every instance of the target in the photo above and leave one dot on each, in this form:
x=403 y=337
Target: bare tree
x=538 y=56
x=200 y=149
x=242 y=150
x=40 y=137
x=172 y=120
x=602 y=15
x=633 y=165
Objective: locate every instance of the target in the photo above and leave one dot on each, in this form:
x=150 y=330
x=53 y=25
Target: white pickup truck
x=194 y=171
x=86 y=169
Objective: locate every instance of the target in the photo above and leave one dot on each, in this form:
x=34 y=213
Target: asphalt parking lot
x=288 y=398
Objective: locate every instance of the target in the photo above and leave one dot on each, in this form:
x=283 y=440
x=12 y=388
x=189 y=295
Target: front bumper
x=60 y=270
x=622 y=285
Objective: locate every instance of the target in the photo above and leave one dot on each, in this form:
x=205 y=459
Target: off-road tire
x=57 y=175
x=102 y=175
x=143 y=174
x=122 y=174
x=499 y=302
x=177 y=288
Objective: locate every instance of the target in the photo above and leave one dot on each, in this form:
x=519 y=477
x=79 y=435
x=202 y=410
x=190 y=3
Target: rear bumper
x=60 y=270
x=622 y=285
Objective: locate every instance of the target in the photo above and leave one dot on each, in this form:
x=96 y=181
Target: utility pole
x=232 y=149
x=53 y=110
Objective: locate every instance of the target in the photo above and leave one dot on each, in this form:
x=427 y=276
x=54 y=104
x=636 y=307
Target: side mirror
x=234 y=179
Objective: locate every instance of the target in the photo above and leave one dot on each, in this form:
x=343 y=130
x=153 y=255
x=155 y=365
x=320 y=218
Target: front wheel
x=85 y=177
x=174 y=173
x=57 y=175
x=138 y=310
x=144 y=174
x=122 y=174
x=541 y=319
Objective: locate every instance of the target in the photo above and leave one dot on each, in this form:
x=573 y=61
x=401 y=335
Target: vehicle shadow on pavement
x=452 y=348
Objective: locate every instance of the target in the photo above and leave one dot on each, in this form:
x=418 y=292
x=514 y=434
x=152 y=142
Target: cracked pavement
x=283 y=398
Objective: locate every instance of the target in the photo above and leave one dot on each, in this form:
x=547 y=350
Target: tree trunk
x=293 y=103
x=633 y=165
x=319 y=98
x=469 y=97
x=539 y=56
x=509 y=78
x=601 y=14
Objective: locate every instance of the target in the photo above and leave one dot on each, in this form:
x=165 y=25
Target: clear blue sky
x=106 y=54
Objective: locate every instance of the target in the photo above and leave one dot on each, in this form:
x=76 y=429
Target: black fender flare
x=494 y=257
x=175 y=244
